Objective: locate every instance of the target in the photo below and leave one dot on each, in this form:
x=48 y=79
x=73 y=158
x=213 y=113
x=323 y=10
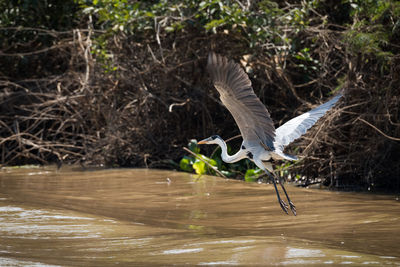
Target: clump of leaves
x=260 y=24
x=197 y=162
x=252 y=175
x=375 y=26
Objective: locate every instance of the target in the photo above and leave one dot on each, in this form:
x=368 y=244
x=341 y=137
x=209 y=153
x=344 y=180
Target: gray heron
x=262 y=143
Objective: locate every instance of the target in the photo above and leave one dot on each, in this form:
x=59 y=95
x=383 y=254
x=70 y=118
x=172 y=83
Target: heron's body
x=261 y=141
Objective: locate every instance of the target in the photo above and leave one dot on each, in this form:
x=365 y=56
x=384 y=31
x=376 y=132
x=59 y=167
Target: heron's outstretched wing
x=299 y=125
x=237 y=95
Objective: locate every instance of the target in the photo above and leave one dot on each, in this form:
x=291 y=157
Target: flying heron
x=262 y=143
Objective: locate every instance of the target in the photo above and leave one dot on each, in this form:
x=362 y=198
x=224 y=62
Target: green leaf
x=186 y=164
x=149 y=14
x=251 y=175
x=200 y=167
x=212 y=162
x=214 y=24
x=193 y=146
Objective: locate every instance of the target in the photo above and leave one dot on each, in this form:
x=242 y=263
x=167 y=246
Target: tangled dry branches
x=159 y=98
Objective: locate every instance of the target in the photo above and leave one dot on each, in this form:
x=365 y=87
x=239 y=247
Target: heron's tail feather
x=279 y=155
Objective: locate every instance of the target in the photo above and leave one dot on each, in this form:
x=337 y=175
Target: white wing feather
x=299 y=125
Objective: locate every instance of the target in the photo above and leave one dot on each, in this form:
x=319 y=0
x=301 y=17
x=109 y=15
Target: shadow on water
x=152 y=217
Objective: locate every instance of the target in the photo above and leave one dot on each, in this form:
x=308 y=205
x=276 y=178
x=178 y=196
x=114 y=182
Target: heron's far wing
x=236 y=93
x=299 y=125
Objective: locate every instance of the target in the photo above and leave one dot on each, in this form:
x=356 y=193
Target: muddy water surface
x=147 y=218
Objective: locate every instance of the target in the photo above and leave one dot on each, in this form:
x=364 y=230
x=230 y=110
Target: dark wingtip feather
x=227 y=72
x=234 y=86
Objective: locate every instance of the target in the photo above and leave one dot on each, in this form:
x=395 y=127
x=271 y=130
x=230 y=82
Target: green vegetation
x=375 y=27
x=201 y=164
x=210 y=15
x=123 y=83
x=265 y=22
x=28 y=26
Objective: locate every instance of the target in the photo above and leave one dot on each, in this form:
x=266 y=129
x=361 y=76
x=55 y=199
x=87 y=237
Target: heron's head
x=210 y=140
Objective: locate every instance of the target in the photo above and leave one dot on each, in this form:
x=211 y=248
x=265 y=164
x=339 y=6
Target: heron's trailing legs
x=284 y=206
x=292 y=206
x=282 y=203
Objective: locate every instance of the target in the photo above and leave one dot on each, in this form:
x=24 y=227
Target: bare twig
x=379 y=131
x=178 y=104
x=208 y=164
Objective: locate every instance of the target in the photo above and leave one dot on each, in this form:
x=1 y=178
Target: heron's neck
x=241 y=154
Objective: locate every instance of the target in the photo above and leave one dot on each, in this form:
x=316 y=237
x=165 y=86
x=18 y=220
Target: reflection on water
x=143 y=217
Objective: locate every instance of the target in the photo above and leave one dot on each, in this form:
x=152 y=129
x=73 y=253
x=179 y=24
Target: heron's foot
x=292 y=207
x=284 y=206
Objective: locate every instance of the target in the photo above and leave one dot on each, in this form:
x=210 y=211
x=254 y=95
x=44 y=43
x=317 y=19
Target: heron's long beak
x=204 y=141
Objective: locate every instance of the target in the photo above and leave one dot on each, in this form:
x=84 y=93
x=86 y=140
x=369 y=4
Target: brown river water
x=136 y=217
